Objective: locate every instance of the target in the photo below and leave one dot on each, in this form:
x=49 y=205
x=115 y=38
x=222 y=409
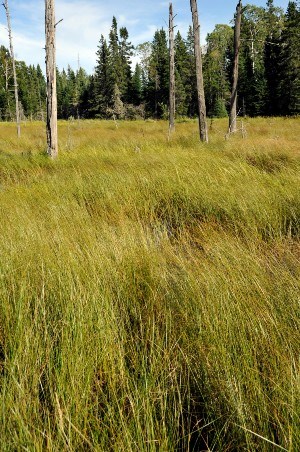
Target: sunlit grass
x=150 y=288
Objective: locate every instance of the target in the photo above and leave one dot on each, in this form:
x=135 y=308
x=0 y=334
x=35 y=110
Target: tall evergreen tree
x=274 y=21
x=62 y=94
x=136 y=96
x=144 y=51
x=104 y=81
x=6 y=84
x=182 y=76
x=126 y=52
x=114 y=66
x=192 y=102
x=32 y=89
x=252 y=79
x=289 y=83
x=83 y=83
x=157 y=90
x=216 y=70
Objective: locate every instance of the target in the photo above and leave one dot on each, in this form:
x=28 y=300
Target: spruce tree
x=289 y=83
x=136 y=94
x=216 y=70
x=62 y=101
x=114 y=61
x=82 y=89
x=126 y=52
x=191 y=90
x=104 y=81
x=6 y=80
x=28 y=92
x=182 y=76
x=252 y=78
x=157 y=90
x=274 y=21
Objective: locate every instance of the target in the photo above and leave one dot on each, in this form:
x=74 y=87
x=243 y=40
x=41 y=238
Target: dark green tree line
x=269 y=70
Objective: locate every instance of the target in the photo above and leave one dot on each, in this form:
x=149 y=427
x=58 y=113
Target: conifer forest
x=268 y=82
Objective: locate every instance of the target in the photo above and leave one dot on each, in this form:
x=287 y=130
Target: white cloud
x=79 y=32
x=146 y=35
x=25 y=48
x=85 y=20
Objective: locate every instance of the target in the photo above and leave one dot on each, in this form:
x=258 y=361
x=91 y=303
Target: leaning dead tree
x=199 y=75
x=12 y=55
x=235 y=75
x=172 y=70
x=51 y=124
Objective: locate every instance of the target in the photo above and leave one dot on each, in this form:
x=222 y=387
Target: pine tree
x=125 y=52
x=114 y=61
x=28 y=93
x=191 y=89
x=118 y=109
x=41 y=93
x=289 y=84
x=112 y=72
x=182 y=76
x=144 y=52
x=72 y=93
x=216 y=67
x=274 y=19
x=252 y=78
x=83 y=83
x=62 y=100
x=104 y=81
x=157 y=89
x=31 y=89
x=136 y=94
x=6 y=81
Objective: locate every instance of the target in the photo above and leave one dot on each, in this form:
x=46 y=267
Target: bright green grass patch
x=150 y=288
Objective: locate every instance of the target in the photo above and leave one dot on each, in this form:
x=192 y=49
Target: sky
x=85 y=20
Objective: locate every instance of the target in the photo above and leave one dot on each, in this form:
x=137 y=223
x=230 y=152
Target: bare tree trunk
x=172 y=69
x=51 y=124
x=8 y=112
x=200 y=89
x=233 y=99
x=12 y=55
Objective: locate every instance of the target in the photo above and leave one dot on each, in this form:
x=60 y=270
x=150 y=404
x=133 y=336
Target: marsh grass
x=150 y=288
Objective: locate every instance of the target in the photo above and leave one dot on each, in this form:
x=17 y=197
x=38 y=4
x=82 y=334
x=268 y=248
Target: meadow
x=150 y=288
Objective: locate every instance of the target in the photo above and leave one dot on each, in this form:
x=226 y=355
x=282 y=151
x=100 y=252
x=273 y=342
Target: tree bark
x=172 y=70
x=51 y=123
x=199 y=75
x=235 y=75
x=8 y=111
x=12 y=55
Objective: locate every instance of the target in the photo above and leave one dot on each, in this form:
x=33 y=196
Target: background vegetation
x=149 y=288
x=269 y=73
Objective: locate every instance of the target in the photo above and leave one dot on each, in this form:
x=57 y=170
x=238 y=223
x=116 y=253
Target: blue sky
x=85 y=20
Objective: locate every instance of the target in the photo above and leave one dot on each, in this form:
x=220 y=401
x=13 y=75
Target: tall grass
x=149 y=288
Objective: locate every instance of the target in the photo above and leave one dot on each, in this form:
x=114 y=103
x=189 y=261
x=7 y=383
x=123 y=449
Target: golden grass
x=150 y=288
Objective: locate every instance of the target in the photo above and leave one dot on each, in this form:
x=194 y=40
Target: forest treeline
x=269 y=82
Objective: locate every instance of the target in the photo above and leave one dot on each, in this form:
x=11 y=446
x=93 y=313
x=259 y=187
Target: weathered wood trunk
x=12 y=55
x=172 y=70
x=235 y=75
x=51 y=123
x=199 y=75
x=8 y=111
